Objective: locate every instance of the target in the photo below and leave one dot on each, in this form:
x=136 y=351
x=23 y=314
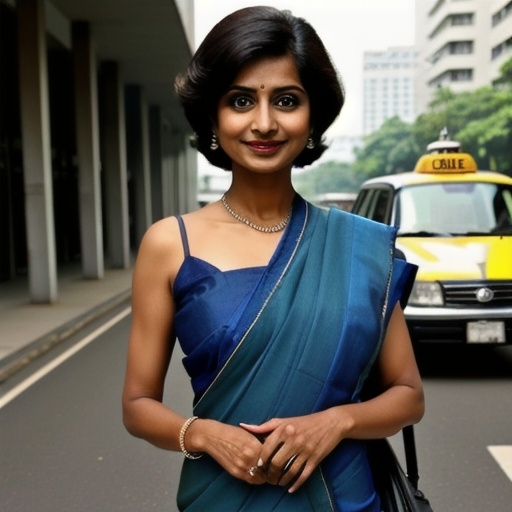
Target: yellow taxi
x=454 y=222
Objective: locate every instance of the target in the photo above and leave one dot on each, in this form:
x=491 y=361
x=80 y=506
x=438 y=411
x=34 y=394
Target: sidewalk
x=28 y=330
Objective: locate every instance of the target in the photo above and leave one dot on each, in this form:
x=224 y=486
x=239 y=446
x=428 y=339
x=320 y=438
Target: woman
x=281 y=308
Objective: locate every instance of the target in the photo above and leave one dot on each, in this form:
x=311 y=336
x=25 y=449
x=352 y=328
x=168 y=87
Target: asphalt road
x=63 y=447
x=469 y=409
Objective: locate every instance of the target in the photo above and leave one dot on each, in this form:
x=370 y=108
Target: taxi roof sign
x=445 y=163
x=444 y=157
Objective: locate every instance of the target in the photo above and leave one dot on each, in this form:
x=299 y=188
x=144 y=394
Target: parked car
x=454 y=222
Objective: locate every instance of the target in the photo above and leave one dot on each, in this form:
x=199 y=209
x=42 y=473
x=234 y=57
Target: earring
x=215 y=143
x=311 y=143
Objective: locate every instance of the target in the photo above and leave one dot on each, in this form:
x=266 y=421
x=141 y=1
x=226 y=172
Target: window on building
x=496 y=51
x=452 y=20
x=460 y=47
x=502 y=14
x=501 y=49
x=462 y=19
x=453 y=48
x=461 y=75
x=454 y=75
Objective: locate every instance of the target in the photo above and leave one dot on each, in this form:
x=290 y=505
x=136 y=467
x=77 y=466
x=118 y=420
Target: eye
x=287 y=101
x=240 y=102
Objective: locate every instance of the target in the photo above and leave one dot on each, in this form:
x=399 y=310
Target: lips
x=265 y=147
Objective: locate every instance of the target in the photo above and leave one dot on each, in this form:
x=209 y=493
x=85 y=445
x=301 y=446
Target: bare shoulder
x=163 y=238
x=161 y=247
x=163 y=235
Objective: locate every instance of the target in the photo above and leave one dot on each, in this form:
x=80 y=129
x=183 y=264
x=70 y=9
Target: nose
x=264 y=121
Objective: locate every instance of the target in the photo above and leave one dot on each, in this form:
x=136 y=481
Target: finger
x=259 y=433
x=297 y=475
x=300 y=477
x=273 y=444
x=264 y=428
x=238 y=453
x=255 y=476
x=287 y=467
x=265 y=465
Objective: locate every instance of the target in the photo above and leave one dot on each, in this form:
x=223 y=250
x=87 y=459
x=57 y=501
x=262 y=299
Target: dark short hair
x=244 y=36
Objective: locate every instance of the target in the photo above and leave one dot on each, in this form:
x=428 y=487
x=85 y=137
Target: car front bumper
x=450 y=325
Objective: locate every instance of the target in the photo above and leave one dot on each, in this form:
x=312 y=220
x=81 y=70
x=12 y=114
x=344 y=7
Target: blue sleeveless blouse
x=206 y=300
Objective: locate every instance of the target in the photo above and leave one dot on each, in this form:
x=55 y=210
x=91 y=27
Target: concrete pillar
x=191 y=165
x=155 y=149
x=169 y=207
x=114 y=167
x=182 y=179
x=186 y=174
x=137 y=138
x=88 y=145
x=176 y=179
x=37 y=171
x=170 y=165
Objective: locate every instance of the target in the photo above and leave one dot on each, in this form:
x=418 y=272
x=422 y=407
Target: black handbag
x=398 y=491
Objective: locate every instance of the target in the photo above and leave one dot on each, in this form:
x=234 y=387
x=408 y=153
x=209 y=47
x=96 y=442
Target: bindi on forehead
x=262 y=86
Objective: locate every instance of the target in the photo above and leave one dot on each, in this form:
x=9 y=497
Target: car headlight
x=426 y=294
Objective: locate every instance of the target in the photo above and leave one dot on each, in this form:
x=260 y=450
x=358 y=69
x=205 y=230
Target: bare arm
x=151 y=343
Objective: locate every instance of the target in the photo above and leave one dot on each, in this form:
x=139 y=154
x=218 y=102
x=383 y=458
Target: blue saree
x=301 y=338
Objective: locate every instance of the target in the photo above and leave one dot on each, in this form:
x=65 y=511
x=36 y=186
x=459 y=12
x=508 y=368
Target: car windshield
x=454 y=209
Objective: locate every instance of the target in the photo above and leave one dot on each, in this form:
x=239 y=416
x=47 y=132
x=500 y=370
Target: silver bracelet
x=183 y=432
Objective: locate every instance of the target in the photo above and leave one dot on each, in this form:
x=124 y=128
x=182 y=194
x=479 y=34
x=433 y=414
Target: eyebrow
x=284 y=88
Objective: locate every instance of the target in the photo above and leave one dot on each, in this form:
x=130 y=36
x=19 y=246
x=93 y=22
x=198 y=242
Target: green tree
x=505 y=78
x=455 y=111
x=480 y=120
x=389 y=150
x=329 y=176
x=492 y=139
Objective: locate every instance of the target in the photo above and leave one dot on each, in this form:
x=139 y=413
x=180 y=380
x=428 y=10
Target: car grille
x=465 y=294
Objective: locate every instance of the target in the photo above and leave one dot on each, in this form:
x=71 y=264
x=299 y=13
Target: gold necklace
x=264 y=229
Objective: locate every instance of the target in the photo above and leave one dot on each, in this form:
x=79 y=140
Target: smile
x=265 y=147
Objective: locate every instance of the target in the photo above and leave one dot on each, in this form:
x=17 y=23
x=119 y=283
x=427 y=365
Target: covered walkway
x=94 y=147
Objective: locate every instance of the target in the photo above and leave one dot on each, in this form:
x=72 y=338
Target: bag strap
x=411 y=459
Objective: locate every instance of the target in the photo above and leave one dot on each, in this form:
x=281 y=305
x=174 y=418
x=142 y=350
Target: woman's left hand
x=294 y=447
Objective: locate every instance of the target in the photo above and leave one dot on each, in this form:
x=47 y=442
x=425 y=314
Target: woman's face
x=263 y=120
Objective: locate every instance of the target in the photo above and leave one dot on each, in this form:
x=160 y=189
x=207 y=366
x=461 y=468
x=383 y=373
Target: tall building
x=462 y=44
x=389 y=78
x=500 y=37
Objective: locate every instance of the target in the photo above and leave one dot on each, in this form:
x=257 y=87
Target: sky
x=348 y=28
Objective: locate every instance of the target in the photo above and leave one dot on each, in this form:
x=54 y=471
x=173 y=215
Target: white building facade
x=462 y=44
x=389 y=82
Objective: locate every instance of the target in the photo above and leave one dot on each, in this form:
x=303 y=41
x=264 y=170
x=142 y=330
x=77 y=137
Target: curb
x=16 y=361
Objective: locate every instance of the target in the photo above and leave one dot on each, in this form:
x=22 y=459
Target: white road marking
x=503 y=456
x=45 y=370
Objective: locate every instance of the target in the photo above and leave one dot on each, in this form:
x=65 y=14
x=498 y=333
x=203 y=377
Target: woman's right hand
x=235 y=449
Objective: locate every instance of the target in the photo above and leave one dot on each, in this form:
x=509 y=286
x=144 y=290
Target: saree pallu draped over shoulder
x=305 y=342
